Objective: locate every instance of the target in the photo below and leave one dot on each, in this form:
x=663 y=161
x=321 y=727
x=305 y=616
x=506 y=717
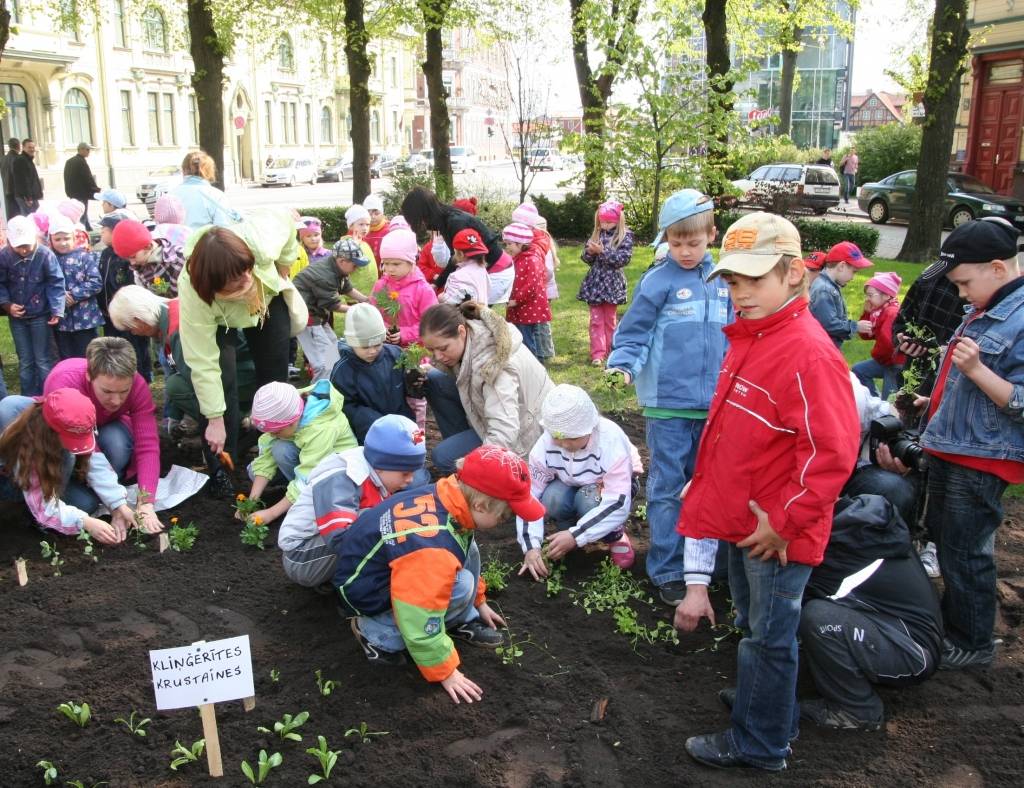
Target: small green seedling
x=254 y=532
x=326 y=686
x=88 y=548
x=135 y=727
x=80 y=715
x=412 y=357
x=496 y=573
x=247 y=506
x=275 y=675
x=263 y=767
x=182 y=537
x=185 y=755
x=510 y=654
x=364 y=733
x=81 y=784
x=640 y=512
x=52 y=554
x=285 y=727
x=49 y=772
x=327 y=757
x=554 y=584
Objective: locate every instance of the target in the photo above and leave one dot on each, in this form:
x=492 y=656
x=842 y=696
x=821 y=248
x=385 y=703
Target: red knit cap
x=130 y=237
x=467 y=204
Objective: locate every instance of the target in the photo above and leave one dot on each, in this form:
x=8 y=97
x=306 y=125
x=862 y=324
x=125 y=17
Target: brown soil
x=84 y=636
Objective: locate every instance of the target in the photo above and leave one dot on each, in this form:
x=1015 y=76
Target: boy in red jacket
x=781 y=440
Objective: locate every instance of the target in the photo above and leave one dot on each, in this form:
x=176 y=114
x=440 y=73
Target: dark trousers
x=903 y=492
x=12 y=206
x=849 y=651
x=72 y=344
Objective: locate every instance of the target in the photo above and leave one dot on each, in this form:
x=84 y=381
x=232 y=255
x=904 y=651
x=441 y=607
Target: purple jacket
x=605 y=283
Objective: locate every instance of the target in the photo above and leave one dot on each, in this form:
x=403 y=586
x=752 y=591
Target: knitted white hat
x=373 y=203
x=356 y=213
x=568 y=412
x=364 y=326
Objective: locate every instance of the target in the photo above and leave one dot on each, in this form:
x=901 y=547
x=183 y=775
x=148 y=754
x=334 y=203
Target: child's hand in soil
x=764 y=543
x=458 y=686
x=693 y=608
x=489 y=617
x=123 y=520
x=150 y=522
x=533 y=562
x=560 y=544
x=102 y=532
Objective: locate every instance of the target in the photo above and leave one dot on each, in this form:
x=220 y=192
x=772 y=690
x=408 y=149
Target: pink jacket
x=137 y=414
x=415 y=297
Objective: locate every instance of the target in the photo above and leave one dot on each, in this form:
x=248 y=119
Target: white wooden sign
x=202 y=673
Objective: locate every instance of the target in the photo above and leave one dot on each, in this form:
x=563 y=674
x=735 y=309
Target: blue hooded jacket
x=371 y=390
x=35 y=282
x=670 y=339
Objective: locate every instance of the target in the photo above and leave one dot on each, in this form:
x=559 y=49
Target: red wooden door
x=998 y=141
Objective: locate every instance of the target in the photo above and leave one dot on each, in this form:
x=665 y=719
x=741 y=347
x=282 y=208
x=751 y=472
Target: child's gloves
x=415 y=383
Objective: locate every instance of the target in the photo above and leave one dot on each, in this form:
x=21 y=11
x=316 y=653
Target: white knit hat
x=356 y=213
x=373 y=203
x=364 y=326
x=568 y=412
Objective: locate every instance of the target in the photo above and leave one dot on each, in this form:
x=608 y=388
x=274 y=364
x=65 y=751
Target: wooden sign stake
x=213 y=761
x=163 y=541
x=21 y=571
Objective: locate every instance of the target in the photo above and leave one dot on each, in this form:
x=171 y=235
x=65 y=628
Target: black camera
x=904 y=445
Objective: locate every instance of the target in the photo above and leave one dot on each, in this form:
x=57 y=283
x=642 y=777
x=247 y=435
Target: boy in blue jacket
x=32 y=294
x=826 y=296
x=670 y=342
x=975 y=433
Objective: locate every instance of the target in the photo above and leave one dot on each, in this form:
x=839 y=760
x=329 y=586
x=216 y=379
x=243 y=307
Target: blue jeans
x=672 y=444
x=849 y=185
x=286 y=455
x=382 y=631
x=459 y=439
x=566 y=505
x=867 y=371
x=37 y=352
x=962 y=514
x=529 y=332
x=765 y=715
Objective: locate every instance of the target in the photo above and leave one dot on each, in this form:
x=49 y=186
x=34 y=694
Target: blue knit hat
x=395 y=443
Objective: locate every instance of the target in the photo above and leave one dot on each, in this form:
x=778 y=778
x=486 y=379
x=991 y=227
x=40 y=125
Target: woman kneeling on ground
x=49 y=457
x=487 y=387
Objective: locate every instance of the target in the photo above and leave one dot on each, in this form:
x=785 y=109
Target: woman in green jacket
x=237 y=278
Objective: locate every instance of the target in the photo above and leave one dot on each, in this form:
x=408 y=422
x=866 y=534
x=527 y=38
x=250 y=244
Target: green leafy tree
x=886 y=149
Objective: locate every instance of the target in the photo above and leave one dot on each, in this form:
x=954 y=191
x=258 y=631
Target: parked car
x=815 y=187
x=334 y=170
x=157 y=183
x=288 y=172
x=416 y=164
x=544 y=159
x=966 y=198
x=463 y=158
x=382 y=164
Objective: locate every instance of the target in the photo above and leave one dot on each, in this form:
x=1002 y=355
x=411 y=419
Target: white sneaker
x=930 y=560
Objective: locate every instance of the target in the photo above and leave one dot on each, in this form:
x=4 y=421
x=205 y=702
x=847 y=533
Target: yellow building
x=988 y=142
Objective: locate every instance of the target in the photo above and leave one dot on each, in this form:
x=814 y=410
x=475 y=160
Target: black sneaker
x=376 y=655
x=956 y=658
x=220 y=486
x=713 y=749
x=673 y=592
x=478 y=633
x=838 y=719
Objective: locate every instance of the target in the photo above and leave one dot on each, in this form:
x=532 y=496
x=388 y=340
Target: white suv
x=816 y=186
x=288 y=172
x=463 y=158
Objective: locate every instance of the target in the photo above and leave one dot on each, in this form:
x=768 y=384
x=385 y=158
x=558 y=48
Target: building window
x=285 y=53
x=394 y=71
x=268 y=122
x=154 y=30
x=309 y=125
x=153 y=116
x=375 y=127
x=120 y=30
x=288 y=122
x=193 y=119
x=170 y=131
x=326 y=137
x=15 y=122
x=77 y=120
x=323 y=58
x=127 y=126
x=394 y=126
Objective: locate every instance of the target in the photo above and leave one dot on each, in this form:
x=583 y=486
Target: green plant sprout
x=136 y=728
x=80 y=715
x=88 y=547
x=556 y=570
x=327 y=758
x=496 y=573
x=412 y=357
x=326 y=686
x=254 y=532
x=52 y=554
x=513 y=652
x=615 y=388
x=49 y=772
x=285 y=727
x=245 y=506
x=364 y=733
x=640 y=512
x=182 y=538
x=275 y=675
x=81 y=784
x=186 y=755
x=263 y=767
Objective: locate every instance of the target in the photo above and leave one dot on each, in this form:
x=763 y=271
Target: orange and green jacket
x=403 y=555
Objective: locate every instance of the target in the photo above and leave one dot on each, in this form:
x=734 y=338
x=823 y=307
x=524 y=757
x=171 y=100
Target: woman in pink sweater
x=125 y=413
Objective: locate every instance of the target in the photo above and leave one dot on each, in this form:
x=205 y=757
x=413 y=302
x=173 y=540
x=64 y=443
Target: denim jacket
x=35 y=282
x=967 y=421
x=828 y=306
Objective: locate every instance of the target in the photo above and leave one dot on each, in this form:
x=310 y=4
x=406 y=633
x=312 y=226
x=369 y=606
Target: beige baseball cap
x=755 y=243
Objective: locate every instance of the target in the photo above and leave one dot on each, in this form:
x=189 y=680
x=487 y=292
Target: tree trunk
x=359 y=96
x=721 y=98
x=434 y=13
x=5 y=26
x=941 y=99
x=208 y=82
x=786 y=80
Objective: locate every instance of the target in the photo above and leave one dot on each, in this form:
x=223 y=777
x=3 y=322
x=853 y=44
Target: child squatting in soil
x=343 y=485
x=781 y=440
x=582 y=468
x=409 y=569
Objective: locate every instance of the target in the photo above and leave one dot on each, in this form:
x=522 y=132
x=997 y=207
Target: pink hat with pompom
x=399 y=244
x=526 y=214
x=886 y=282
